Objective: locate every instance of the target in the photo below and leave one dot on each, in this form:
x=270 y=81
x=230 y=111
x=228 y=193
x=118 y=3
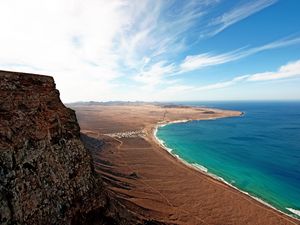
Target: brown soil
x=155 y=184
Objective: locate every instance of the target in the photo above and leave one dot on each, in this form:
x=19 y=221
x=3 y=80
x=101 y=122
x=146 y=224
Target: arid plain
x=152 y=182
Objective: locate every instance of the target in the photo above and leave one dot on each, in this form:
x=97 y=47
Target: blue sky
x=158 y=50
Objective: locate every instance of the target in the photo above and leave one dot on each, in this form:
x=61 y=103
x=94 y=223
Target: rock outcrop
x=46 y=174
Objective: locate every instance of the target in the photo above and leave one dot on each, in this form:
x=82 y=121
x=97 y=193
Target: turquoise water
x=258 y=153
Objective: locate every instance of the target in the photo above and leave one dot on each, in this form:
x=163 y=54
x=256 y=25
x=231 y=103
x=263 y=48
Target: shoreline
x=158 y=184
x=203 y=170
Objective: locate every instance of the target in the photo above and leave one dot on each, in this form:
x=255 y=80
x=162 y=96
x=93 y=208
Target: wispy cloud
x=237 y=14
x=209 y=59
x=158 y=30
x=155 y=74
x=98 y=43
x=160 y=71
x=290 y=70
x=95 y=41
x=222 y=84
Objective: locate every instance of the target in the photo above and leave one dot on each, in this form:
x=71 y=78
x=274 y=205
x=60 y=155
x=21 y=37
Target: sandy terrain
x=151 y=181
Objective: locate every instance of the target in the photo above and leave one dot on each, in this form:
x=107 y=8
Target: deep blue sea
x=258 y=153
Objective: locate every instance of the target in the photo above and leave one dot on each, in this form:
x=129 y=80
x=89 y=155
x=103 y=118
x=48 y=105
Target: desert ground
x=152 y=182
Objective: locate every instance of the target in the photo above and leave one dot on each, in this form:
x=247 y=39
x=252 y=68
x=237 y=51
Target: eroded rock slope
x=46 y=174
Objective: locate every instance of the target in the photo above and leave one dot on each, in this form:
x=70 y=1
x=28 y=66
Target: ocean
x=258 y=153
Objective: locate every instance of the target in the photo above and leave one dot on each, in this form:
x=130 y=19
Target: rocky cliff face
x=46 y=174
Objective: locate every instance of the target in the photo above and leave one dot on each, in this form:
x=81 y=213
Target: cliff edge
x=46 y=174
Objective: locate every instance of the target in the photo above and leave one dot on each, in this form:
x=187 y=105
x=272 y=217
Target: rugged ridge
x=46 y=174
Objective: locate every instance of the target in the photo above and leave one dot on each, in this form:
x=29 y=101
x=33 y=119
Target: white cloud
x=155 y=74
x=158 y=30
x=89 y=47
x=290 y=70
x=222 y=84
x=70 y=40
x=208 y=59
x=237 y=14
x=97 y=41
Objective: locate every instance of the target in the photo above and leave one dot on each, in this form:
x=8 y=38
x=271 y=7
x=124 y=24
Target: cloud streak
x=222 y=84
x=202 y=60
x=237 y=14
x=155 y=74
x=290 y=70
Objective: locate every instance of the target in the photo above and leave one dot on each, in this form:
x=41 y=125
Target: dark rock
x=134 y=175
x=46 y=174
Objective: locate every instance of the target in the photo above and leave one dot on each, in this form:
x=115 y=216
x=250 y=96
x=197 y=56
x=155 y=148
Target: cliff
x=46 y=174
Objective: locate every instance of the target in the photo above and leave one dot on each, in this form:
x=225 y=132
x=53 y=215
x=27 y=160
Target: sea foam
x=295 y=211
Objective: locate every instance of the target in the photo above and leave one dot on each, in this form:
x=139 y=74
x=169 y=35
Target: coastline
x=203 y=170
x=159 y=185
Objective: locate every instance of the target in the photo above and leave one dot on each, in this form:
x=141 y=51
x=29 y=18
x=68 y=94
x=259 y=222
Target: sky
x=156 y=50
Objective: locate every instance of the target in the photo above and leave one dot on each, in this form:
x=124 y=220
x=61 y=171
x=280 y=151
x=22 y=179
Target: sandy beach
x=154 y=183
